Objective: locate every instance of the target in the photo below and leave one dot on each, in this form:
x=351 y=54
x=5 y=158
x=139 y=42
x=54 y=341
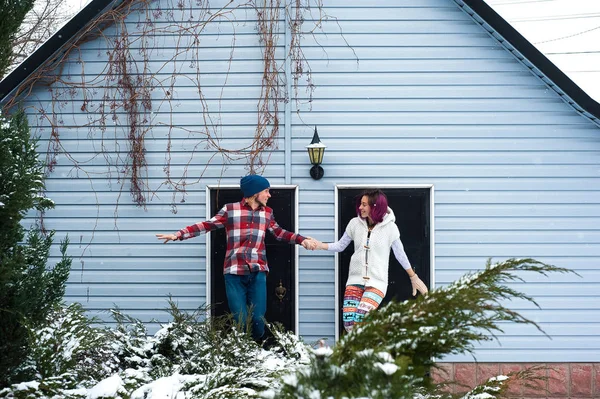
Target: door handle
x=280 y=291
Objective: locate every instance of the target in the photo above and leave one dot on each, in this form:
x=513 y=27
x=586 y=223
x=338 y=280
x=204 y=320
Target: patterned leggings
x=358 y=302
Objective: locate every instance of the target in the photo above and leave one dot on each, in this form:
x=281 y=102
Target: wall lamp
x=316 y=150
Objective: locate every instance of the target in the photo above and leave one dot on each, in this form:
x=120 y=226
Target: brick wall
x=564 y=380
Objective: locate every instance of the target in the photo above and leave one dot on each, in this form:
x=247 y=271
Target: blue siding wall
x=413 y=92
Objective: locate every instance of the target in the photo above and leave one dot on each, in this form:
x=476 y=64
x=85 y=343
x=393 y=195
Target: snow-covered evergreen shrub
x=196 y=357
x=70 y=346
x=390 y=354
x=28 y=289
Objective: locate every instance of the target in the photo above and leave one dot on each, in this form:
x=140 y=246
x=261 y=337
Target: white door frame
x=210 y=214
x=383 y=187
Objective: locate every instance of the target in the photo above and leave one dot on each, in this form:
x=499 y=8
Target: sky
x=566 y=31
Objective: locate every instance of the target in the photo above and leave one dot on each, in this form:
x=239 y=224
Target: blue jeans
x=248 y=291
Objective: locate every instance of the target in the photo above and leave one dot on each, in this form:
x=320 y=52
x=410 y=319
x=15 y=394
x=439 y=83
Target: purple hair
x=377 y=201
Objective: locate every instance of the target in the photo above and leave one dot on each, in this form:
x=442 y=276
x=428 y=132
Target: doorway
x=413 y=207
x=281 y=257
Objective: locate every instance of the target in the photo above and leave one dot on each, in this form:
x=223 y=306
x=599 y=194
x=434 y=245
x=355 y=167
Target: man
x=245 y=269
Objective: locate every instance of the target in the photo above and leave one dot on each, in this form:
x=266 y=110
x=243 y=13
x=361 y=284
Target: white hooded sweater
x=382 y=237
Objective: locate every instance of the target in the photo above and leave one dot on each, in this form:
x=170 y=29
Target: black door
x=280 y=257
x=412 y=209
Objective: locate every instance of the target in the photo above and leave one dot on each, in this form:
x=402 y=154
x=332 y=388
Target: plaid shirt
x=246 y=230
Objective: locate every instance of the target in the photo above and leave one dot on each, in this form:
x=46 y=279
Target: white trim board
x=336 y=234
x=210 y=214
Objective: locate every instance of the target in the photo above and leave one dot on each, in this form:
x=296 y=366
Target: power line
x=519 y=2
x=568 y=36
x=574 y=52
x=558 y=17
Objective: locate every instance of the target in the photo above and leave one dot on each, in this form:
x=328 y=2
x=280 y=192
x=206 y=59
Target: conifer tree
x=28 y=290
x=13 y=13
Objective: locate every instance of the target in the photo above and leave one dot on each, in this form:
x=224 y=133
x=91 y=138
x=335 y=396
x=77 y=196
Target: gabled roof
x=481 y=13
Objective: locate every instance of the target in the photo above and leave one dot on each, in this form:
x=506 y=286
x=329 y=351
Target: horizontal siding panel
x=153 y=159
x=562 y=132
x=397 y=14
x=315 y=276
x=528 y=355
x=135 y=290
x=574 y=262
x=516 y=224
x=584 y=277
x=552 y=329
x=562 y=302
x=318 y=316
x=246 y=86
x=216 y=50
x=396 y=51
x=128 y=276
x=120 y=225
x=85 y=262
x=316 y=302
x=156 y=250
x=321 y=288
x=126 y=209
x=166 y=119
x=168 y=103
x=99 y=172
x=539 y=289
x=76 y=69
x=303 y=179
x=530 y=158
x=73 y=70
x=249 y=99
x=518 y=197
x=318 y=262
x=421 y=79
x=456 y=118
x=438 y=131
x=540 y=342
x=515 y=210
x=517 y=250
x=145 y=316
x=334 y=4
x=443 y=144
x=315 y=331
x=188 y=22
x=361 y=34
x=138 y=303
x=516 y=237
x=352 y=91
x=436 y=105
x=482 y=171
x=194 y=196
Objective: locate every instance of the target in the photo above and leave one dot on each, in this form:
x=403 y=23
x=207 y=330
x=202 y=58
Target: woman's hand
x=166 y=237
x=418 y=285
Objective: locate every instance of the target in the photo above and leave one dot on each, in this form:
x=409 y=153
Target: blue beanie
x=253 y=184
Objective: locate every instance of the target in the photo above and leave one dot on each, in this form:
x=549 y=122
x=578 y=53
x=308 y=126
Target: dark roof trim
x=51 y=46
x=557 y=77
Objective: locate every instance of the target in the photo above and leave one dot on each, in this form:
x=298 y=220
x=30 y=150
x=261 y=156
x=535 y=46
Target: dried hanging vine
x=128 y=82
x=267 y=126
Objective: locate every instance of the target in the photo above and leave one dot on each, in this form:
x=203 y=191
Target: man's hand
x=310 y=243
x=167 y=237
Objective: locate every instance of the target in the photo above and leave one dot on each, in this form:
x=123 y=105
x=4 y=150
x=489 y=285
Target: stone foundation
x=564 y=380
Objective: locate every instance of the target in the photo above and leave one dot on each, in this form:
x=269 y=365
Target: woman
x=374 y=233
